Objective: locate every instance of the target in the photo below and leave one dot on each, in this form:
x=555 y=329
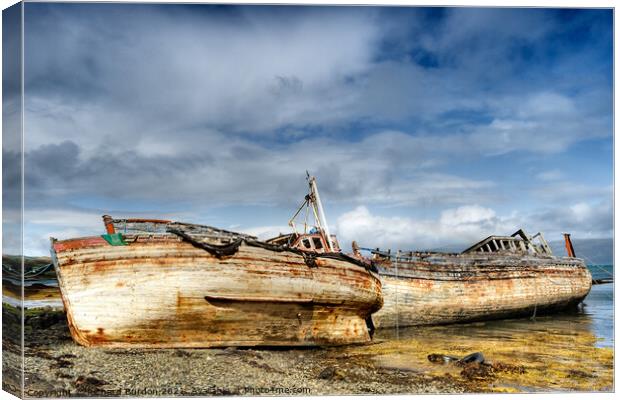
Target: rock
x=60 y=363
x=471 y=358
x=327 y=373
x=441 y=358
x=446 y=359
x=88 y=385
x=91 y=380
x=182 y=353
x=331 y=373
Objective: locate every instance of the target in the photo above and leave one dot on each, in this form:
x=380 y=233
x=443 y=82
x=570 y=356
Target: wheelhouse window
x=317 y=243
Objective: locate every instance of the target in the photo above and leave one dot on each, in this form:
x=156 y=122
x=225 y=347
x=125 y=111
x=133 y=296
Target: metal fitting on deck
x=109 y=225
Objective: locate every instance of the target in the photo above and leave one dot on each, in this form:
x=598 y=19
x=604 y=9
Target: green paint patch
x=115 y=239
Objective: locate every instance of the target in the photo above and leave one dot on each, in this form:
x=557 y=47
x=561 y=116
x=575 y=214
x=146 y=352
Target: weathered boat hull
x=161 y=291
x=446 y=288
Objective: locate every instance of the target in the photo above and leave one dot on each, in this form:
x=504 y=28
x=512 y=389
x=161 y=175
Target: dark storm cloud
x=205 y=71
x=60 y=170
x=316 y=67
x=242 y=173
x=11 y=52
x=196 y=106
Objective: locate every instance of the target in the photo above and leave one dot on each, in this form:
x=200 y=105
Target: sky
x=425 y=127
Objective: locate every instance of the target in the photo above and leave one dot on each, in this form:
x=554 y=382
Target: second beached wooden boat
x=153 y=283
x=499 y=277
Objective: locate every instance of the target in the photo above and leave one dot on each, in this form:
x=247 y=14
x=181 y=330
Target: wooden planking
x=425 y=293
x=167 y=293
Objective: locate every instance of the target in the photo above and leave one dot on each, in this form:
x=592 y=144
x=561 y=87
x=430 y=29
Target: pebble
x=58 y=363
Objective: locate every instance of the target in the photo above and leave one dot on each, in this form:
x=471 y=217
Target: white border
x=479 y=3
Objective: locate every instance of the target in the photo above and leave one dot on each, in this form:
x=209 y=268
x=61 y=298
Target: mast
x=322 y=220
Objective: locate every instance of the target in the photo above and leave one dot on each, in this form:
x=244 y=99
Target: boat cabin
x=311 y=242
x=518 y=242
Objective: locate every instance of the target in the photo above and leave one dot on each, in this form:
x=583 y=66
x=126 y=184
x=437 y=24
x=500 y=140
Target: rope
x=610 y=275
x=593 y=264
x=231 y=248
x=601 y=281
x=218 y=251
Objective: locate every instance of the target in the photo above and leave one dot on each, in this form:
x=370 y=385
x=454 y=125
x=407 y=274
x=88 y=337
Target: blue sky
x=425 y=127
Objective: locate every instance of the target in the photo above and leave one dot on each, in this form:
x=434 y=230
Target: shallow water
x=568 y=351
x=599 y=308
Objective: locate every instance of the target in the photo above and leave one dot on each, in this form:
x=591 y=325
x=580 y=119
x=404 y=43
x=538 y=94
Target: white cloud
x=581 y=211
x=267 y=232
x=538 y=122
x=547 y=104
x=551 y=175
x=561 y=193
x=73 y=218
x=466 y=224
x=466 y=215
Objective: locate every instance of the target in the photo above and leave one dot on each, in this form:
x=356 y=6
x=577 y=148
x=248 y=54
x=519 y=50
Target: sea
x=598 y=306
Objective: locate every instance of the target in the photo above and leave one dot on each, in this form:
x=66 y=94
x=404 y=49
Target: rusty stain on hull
x=441 y=288
x=160 y=291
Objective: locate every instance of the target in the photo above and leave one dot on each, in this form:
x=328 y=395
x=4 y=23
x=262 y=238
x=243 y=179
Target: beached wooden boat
x=499 y=277
x=151 y=283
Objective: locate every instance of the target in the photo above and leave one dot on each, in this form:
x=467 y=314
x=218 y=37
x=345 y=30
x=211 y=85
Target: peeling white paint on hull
x=447 y=288
x=160 y=291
